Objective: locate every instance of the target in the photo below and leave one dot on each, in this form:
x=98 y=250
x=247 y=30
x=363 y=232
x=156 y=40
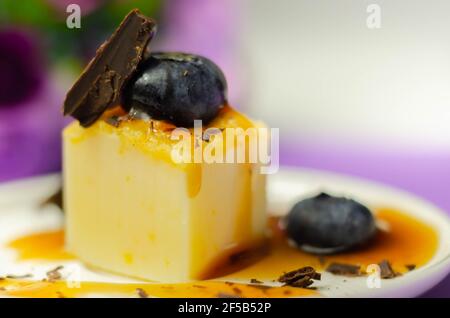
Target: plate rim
x=440 y=267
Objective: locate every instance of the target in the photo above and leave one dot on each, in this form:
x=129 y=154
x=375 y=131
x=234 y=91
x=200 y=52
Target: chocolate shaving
x=255 y=281
x=54 y=274
x=301 y=278
x=299 y=273
x=386 y=270
x=141 y=293
x=410 y=267
x=56 y=199
x=302 y=282
x=344 y=269
x=12 y=276
x=101 y=83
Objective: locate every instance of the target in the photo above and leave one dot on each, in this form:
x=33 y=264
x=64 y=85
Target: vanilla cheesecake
x=131 y=206
x=130 y=209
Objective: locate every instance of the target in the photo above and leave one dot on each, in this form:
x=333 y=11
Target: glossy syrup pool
x=407 y=241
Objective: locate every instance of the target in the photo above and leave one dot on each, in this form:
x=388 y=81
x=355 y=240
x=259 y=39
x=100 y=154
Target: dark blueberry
x=327 y=224
x=177 y=87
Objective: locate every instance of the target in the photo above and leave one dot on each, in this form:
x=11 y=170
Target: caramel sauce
x=407 y=242
x=46 y=245
x=203 y=289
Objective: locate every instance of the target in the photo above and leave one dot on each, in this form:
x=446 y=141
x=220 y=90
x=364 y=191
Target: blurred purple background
x=371 y=103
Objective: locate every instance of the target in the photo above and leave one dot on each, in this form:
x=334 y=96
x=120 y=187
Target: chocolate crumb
x=255 y=281
x=386 y=271
x=56 y=199
x=198 y=286
x=410 y=267
x=141 y=293
x=229 y=283
x=301 y=278
x=344 y=269
x=54 y=274
x=12 y=276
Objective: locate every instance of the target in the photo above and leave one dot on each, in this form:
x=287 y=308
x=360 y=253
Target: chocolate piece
x=344 y=269
x=255 y=281
x=56 y=199
x=298 y=274
x=100 y=84
x=302 y=282
x=113 y=121
x=198 y=286
x=12 y=276
x=54 y=274
x=301 y=278
x=386 y=271
x=141 y=293
x=410 y=267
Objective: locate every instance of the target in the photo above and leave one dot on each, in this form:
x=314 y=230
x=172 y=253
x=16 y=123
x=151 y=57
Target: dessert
x=130 y=208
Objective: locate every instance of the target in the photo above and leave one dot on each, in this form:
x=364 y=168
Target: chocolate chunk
x=386 y=271
x=299 y=273
x=301 y=278
x=344 y=269
x=410 y=267
x=100 y=84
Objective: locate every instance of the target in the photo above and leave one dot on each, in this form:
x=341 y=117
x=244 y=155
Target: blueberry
x=326 y=224
x=177 y=87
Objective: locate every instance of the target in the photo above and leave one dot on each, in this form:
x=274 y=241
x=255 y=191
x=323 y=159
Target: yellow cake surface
x=132 y=210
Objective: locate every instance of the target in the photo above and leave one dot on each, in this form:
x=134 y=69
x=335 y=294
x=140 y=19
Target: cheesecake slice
x=132 y=206
x=132 y=210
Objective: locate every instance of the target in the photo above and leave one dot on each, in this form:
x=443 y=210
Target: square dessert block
x=131 y=210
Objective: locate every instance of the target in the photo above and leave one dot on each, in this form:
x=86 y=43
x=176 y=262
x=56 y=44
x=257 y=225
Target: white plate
x=21 y=213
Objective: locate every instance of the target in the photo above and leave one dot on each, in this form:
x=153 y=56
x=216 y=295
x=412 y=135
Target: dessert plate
x=22 y=213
